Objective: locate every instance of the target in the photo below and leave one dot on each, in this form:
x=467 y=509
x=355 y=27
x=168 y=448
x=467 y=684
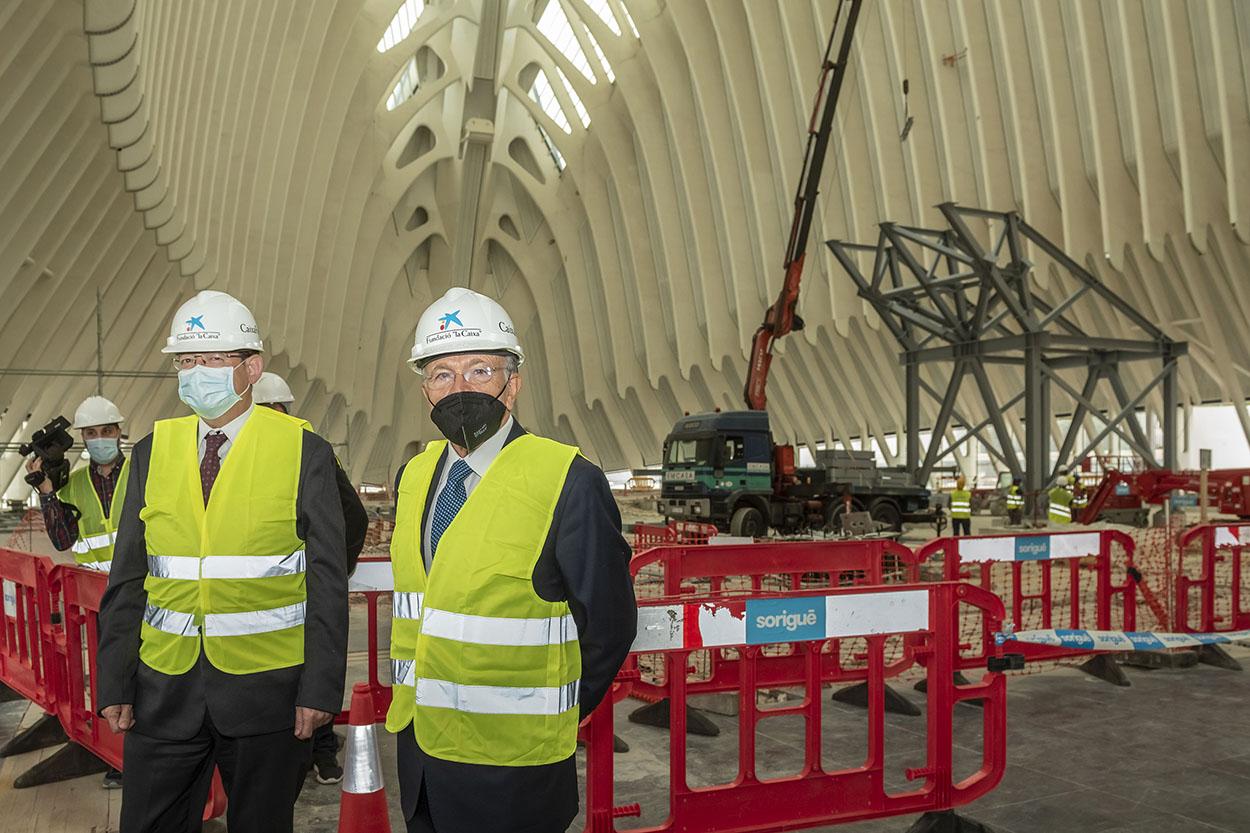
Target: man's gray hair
x=510 y=363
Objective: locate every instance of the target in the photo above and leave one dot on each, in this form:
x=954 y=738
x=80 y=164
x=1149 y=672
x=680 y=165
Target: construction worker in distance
x=223 y=632
x=82 y=516
x=272 y=391
x=1080 y=498
x=1060 y=502
x=513 y=606
x=1015 y=503
x=961 y=507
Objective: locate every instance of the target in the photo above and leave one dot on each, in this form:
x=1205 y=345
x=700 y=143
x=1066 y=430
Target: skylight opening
x=603 y=59
x=577 y=100
x=629 y=18
x=545 y=97
x=554 y=24
x=406 y=86
x=556 y=156
x=602 y=9
x=401 y=24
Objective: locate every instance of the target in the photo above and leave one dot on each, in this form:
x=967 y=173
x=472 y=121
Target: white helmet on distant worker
x=463 y=321
x=212 y=322
x=96 y=410
x=272 y=389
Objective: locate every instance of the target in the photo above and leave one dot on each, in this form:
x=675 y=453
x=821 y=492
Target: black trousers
x=167 y=781
x=961 y=526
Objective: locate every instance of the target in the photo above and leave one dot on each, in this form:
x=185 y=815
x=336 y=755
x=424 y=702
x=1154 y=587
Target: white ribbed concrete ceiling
x=618 y=172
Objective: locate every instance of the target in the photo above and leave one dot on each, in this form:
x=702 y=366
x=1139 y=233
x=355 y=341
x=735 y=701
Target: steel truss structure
x=963 y=299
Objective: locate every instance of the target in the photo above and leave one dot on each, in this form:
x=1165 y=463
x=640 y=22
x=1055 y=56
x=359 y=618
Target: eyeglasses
x=478 y=376
x=186 y=361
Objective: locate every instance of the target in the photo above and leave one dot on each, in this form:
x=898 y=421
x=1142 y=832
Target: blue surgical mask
x=103 y=450
x=209 y=391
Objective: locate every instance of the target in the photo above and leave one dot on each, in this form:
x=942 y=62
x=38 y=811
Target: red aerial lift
x=1124 y=496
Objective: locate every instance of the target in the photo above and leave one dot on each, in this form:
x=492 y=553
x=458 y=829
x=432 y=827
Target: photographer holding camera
x=82 y=515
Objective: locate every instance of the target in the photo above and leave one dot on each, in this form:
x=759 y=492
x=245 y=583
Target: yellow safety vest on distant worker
x=961 y=504
x=96 y=533
x=1015 y=500
x=229 y=575
x=1060 y=511
x=486 y=670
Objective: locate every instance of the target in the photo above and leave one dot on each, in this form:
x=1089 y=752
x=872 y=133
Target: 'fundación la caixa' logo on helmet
x=451 y=327
x=196 y=330
x=785 y=620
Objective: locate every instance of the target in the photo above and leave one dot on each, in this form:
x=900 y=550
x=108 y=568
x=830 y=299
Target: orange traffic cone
x=362 y=808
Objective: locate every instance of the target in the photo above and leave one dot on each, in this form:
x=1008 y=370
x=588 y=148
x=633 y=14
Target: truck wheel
x=747 y=522
x=887 y=512
x=833 y=520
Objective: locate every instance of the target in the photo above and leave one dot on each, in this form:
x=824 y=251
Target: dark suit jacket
x=585 y=561
x=173 y=707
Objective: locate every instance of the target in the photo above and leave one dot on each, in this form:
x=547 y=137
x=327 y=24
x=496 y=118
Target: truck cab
x=716 y=465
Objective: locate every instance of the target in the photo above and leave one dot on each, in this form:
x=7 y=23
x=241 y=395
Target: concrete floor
x=1171 y=754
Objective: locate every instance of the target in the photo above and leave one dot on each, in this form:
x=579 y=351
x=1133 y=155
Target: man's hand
x=35 y=464
x=121 y=718
x=308 y=720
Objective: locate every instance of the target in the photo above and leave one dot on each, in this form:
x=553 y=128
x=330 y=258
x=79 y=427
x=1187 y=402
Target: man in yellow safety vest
x=961 y=508
x=223 y=632
x=1060 y=501
x=513 y=606
x=82 y=515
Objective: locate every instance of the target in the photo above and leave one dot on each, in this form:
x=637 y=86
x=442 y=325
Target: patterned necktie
x=449 y=502
x=210 y=466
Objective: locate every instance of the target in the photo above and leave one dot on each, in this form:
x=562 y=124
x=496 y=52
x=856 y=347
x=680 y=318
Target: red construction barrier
x=76 y=645
x=748 y=569
x=372 y=580
x=28 y=608
x=1078 y=579
x=750 y=802
x=676 y=532
x=1215 y=597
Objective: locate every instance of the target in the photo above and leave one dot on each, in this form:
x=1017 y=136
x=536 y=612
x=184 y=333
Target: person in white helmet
x=223 y=632
x=513 y=606
x=272 y=391
x=82 y=515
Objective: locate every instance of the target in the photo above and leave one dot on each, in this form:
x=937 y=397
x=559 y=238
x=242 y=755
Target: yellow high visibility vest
x=485 y=670
x=961 y=504
x=96 y=533
x=229 y=575
x=1060 y=511
x=1015 y=500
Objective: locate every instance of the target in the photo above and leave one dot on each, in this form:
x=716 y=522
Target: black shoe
x=112 y=780
x=328 y=770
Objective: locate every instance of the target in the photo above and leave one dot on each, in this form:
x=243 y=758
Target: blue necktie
x=448 y=503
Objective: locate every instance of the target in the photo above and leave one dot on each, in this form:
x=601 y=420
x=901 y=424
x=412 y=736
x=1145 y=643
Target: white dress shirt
x=231 y=429
x=479 y=460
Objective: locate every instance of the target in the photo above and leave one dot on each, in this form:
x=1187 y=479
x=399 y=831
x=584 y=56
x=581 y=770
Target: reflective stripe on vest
x=498 y=630
x=93 y=542
x=225 y=624
x=490 y=699
x=485 y=670
x=97 y=566
x=225 y=566
x=227 y=578
x=406 y=605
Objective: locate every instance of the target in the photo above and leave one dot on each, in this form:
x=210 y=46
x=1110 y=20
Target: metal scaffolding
x=952 y=300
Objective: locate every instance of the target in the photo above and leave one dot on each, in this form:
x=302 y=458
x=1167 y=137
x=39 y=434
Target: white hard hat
x=212 y=322
x=96 y=410
x=272 y=389
x=464 y=321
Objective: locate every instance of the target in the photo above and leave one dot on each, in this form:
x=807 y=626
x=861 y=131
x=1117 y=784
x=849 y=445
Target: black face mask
x=469 y=418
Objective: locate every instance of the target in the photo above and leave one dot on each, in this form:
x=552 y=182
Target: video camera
x=49 y=444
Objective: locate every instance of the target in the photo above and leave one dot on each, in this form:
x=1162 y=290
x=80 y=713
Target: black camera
x=49 y=444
